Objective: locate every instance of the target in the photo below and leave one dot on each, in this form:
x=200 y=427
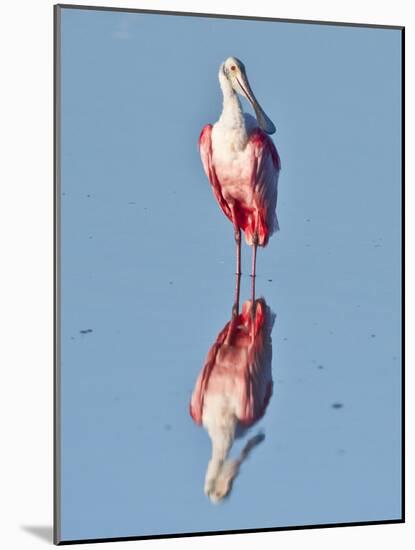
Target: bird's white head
x=233 y=79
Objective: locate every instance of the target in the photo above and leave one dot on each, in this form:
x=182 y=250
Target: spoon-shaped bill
x=265 y=123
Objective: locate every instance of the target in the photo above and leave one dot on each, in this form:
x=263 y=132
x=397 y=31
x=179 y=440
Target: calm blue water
x=148 y=272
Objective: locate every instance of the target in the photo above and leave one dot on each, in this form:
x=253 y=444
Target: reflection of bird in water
x=242 y=163
x=233 y=389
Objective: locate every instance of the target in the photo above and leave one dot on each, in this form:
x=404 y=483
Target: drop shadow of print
x=43 y=532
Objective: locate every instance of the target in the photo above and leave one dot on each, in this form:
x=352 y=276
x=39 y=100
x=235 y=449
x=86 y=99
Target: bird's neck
x=222 y=435
x=232 y=114
x=232 y=118
x=222 y=438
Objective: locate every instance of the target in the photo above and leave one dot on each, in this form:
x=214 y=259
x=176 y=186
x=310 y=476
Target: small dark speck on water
x=337 y=405
x=285 y=339
x=88 y=196
x=308 y=220
x=308 y=245
x=63 y=194
x=167 y=427
x=145 y=208
x=86 y=331
x=270 y=280
x=170 y=282
x=373 y=335
x=320 y=367
x=341 y=452
x=132 y=202
x=72 y=337
x=90 y=237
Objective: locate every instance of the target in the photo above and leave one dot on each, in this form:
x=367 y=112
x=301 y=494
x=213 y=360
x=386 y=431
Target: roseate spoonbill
x=233 y=390
x=242 y=163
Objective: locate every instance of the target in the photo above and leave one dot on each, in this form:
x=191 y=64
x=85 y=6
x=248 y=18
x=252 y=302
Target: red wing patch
x=205 y=147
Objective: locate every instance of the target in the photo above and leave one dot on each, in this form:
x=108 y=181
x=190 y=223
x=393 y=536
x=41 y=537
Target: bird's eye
x=233 y=68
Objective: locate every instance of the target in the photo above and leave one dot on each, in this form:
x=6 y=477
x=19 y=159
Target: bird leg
x=253 y=274
x=238 y=250
x=235 y=308
x=233 y=324
x=237 y=234
x=254 y=247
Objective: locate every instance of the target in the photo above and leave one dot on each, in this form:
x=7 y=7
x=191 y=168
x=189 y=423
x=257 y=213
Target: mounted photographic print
x=228 y=274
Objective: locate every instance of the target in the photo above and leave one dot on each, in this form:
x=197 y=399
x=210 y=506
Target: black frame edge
x=233 y=532
x=403 y=361
x=231 y=16
x=56 y=272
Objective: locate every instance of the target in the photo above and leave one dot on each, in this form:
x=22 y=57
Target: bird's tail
x=262 y=227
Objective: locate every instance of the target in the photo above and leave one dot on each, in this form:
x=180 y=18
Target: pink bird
x=242 y=163
x=233 y=390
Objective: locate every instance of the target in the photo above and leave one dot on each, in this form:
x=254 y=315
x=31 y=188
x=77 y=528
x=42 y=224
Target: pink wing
x=258 y=378
x=196 y=402
x=205 y=147
x=255 y=385
x=266 y=166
